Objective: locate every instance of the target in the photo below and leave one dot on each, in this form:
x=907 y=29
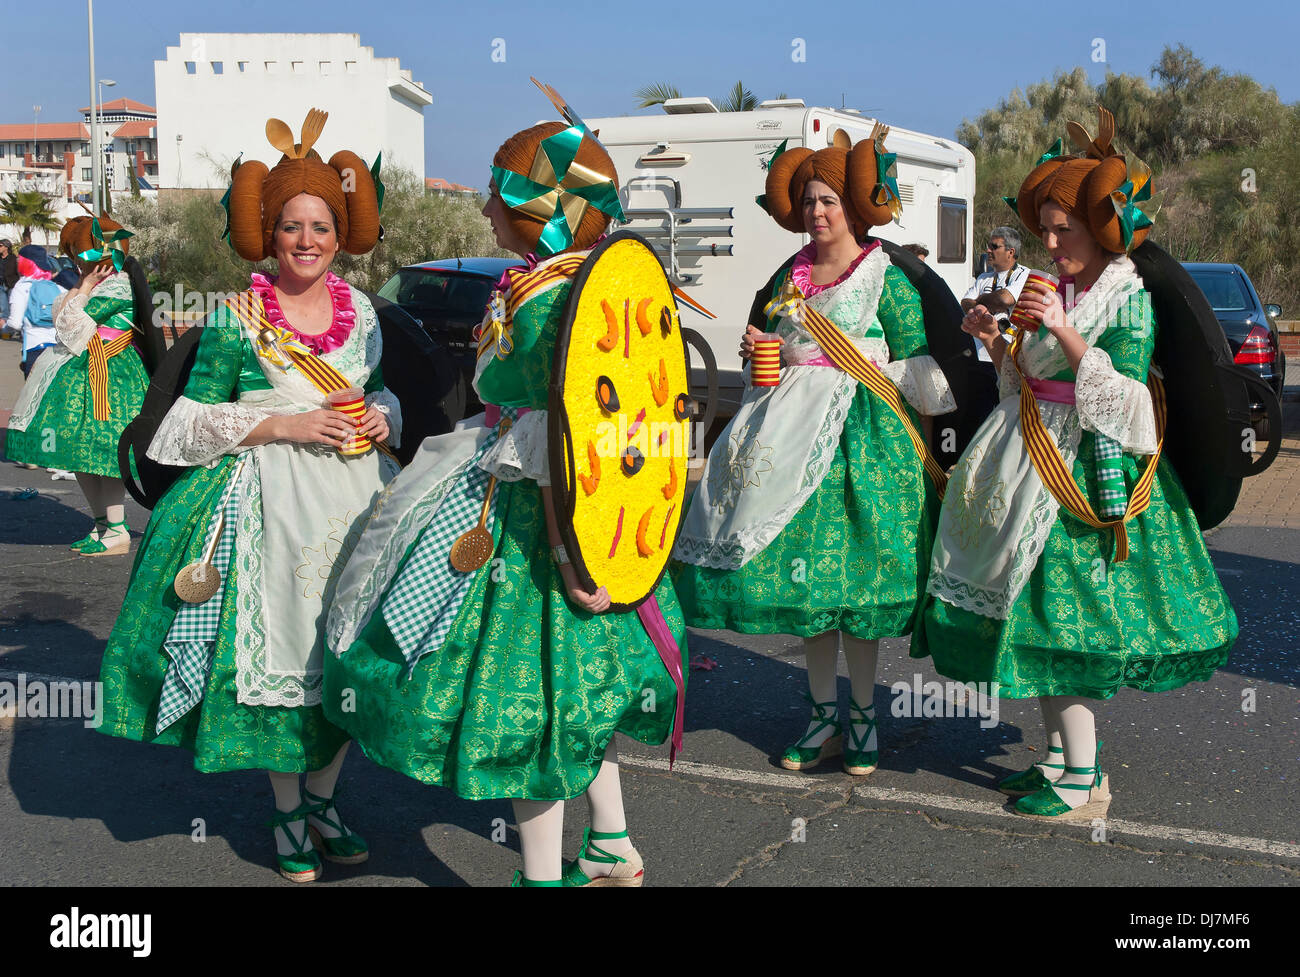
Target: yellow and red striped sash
x=100 y=353
x=272 y=340
x=521 y=289
x=1051 y=468
x=840 y=350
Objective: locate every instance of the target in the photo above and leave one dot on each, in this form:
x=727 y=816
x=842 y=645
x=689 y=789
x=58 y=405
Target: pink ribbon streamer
x=1055 y=391
x=652 y=619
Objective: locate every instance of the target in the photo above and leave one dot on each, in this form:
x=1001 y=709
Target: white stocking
x=822 y=654
x=541 y=836
x=861 y=658
x=1050 y=705
x=322 y=783
x=287 y=798
x=1079 y=738
x=605 y=795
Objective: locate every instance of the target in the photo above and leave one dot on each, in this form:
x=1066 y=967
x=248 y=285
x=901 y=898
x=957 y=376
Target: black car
x=448 y=298
x=1249 y=325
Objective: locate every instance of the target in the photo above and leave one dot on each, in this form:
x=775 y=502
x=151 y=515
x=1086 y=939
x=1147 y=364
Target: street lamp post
x=36 y=123
x=94 y=122
x=107 y=184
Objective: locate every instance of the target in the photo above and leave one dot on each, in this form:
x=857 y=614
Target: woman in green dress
x=1030 y=590
x=815 y=514
x=85 y=389
x=511 y=680
x=270 y=501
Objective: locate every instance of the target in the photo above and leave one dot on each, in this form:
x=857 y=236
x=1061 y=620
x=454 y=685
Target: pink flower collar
x=801 y=270
x=345 y=316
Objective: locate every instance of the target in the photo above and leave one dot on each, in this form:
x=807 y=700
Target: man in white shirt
x=999 y=288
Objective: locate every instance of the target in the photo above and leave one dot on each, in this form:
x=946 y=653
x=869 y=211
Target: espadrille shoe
x=1032 y=780
x=1046 y=804
x=625 y=870
x=303 y=864
x=799 y=756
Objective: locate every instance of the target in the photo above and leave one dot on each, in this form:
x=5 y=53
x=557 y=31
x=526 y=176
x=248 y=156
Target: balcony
x=47 y=159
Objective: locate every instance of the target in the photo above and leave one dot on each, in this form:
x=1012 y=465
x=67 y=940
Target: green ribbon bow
x=1125 y=199
x=557 y=191
x=225 y=200
x=1056 y=152
x=766 y=164
x=108 y=246
x=886 y=191
x=379 y=186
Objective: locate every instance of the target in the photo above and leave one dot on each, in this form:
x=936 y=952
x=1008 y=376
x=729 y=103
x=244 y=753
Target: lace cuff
x=1112 y=404
x=384 y=402
x=202 y=434
x=520 y=452
x=920 y=380
x=72 y=327
x=1008 y=378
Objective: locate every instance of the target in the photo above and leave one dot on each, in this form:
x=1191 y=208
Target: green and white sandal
x=101 y=526
x=118 y=542
x=1046 y=804
x=348 y=848
x=304 y=864
x=1032 y=780
x=798 y=756
x=519 y=882
x=858 y=760
x=628 y=870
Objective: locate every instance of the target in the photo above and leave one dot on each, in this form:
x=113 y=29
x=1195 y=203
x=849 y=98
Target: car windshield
x=439 y=293
x=1224 y=290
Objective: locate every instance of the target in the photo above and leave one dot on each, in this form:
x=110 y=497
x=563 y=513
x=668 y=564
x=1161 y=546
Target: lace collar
x=801 y=270
x=345 y=315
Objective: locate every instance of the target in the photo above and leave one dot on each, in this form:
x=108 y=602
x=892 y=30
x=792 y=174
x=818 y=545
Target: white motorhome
x=690 y=177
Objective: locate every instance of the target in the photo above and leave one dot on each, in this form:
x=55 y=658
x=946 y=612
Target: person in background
x=8 y=279
x=998 y=289
x=920 y=250
x=31 y=303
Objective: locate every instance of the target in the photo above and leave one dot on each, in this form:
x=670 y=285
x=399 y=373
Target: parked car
x=1249 y=325
x=447 y=298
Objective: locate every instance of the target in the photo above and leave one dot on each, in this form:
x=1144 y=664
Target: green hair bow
x=1125 y=200
x=108 y=246
x=557 y=191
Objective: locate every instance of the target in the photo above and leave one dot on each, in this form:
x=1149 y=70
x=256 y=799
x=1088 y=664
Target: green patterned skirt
x=854 y=557
x=222 y=733
x=1084 y=626
x=63 y=433
x=525 y=693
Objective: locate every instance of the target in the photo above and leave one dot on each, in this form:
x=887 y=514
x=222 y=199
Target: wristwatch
x=560 y=555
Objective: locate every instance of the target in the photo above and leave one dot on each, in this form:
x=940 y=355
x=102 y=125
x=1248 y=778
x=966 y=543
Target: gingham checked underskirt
x=193 y=634
x=427 y=592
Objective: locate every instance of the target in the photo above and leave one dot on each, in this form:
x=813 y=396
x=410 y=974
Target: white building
x=216 y=91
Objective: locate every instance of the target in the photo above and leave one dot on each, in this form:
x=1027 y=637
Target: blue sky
x=922 y=65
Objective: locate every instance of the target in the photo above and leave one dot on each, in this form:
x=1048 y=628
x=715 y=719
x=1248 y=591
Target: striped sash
x=520 y=290
x=100 y=353
x=277 y=345
x=841 y=351
x=1051 y=467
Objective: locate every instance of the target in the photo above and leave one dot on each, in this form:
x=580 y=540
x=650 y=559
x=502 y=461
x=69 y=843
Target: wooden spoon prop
x=473 y=548
x=198 y=581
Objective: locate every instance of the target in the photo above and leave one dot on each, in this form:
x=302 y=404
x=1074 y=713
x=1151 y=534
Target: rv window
x=952 y=229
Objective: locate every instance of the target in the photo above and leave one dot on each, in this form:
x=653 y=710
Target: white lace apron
x=765 y=466
x=997 y=513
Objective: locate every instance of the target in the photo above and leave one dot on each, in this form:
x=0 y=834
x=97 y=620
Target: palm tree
x=656 y=95
x=28 y=209
x=739 y=99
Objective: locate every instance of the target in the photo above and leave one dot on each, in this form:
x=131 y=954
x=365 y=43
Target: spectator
x=920 y=250
x=8 y=279
x=32 y=305
x=999 y=288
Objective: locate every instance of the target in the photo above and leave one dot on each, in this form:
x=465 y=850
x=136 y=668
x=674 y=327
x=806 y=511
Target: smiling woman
x=274 y=497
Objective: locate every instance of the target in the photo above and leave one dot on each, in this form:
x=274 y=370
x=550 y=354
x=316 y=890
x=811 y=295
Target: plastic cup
x=352 y=402
x=765 y=364
x=1046 y=283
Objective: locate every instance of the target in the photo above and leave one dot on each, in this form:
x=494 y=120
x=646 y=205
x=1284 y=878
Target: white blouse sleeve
x=920 y=380
x=520 y=452
x=72 y=327
x=1008 y=378
x=386 y=403
x=203 y=434
x=1114 y=405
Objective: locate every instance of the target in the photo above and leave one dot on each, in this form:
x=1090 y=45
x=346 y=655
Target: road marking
x=943 y=802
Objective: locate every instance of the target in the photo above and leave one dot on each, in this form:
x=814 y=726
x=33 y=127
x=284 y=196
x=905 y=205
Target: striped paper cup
x=352 y=402
x=765 y=365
